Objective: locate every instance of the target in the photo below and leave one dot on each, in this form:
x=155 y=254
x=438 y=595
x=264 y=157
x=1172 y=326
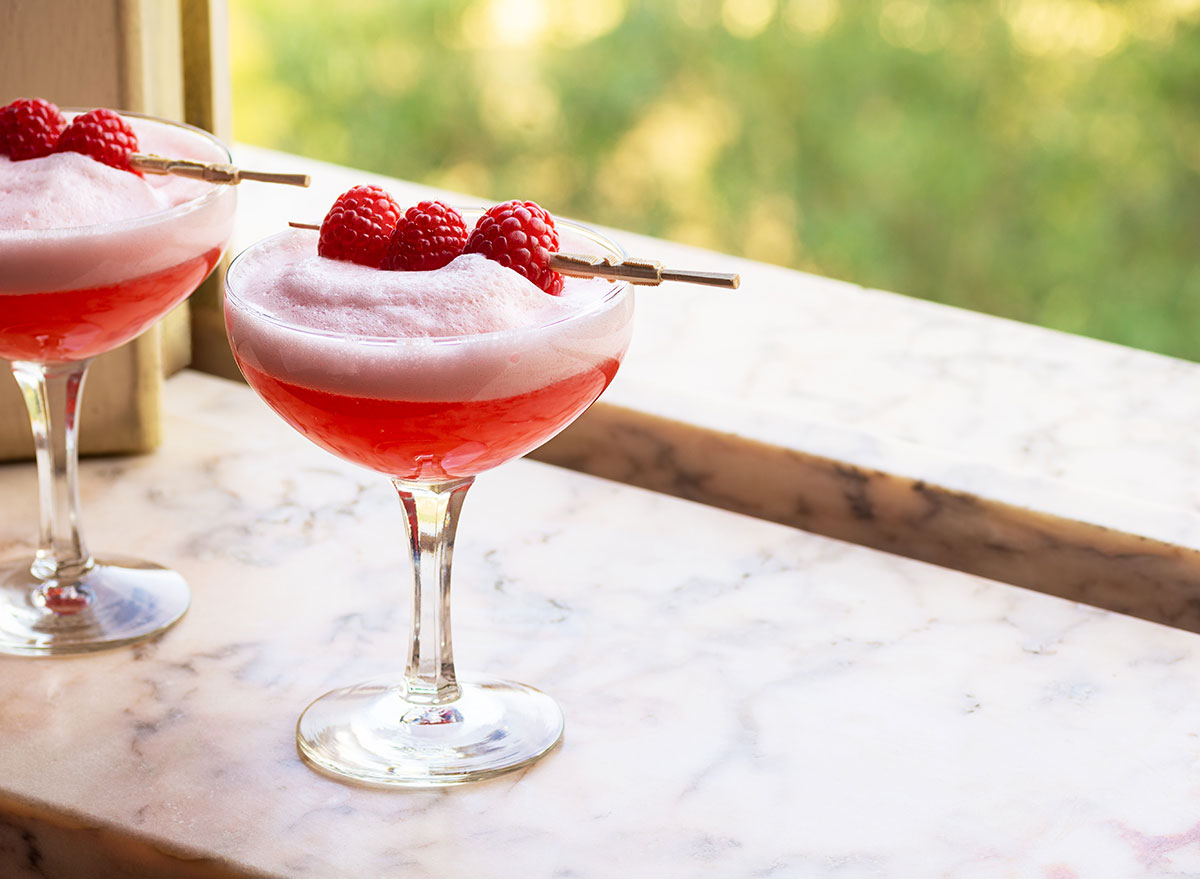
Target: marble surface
x=742 y=698
x=1049 y=461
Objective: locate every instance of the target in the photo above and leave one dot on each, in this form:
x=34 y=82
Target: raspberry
x=519 y=235
x=427 y=237
x=29 y=128
x=358 y=226
x=103 y=135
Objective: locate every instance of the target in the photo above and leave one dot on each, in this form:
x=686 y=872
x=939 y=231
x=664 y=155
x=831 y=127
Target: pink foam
x=70 y=189
x=471 y=295
x=65 y=190
x=473 y=330
x=70 y=222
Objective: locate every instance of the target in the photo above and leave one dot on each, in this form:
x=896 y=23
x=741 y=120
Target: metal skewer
x=641 y=272
x=213 y=172
x=645 y=272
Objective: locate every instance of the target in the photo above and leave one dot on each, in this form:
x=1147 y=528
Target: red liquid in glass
x=76 y=324
x=431 y=441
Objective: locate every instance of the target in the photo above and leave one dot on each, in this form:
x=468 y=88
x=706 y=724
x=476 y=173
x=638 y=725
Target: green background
x=1036 y=159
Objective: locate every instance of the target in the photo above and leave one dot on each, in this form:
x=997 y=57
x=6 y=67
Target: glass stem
x=431 y=512
x=52 y=392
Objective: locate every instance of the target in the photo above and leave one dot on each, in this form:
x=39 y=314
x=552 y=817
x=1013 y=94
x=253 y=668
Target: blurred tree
x=1037 y=159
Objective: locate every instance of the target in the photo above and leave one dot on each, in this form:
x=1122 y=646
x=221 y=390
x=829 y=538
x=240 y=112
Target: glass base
x=119 y=601
x=370 y=734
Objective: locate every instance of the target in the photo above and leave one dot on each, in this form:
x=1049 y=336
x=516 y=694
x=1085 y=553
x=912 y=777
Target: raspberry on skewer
x=428 y=236
x=521 y=236
x=359 y=226
x=29 y=128
x=103 y=135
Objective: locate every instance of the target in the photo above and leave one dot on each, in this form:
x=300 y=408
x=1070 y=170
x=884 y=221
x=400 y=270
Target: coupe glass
x=431 y=413
x=67 y=295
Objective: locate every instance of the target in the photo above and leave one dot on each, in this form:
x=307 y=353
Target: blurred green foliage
x=1037 y=159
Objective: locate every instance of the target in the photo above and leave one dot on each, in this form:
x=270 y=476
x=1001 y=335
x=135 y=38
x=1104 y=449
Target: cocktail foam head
x=472 y=330
x=69 y=222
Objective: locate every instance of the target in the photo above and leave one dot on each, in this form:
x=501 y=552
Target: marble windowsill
x=1045 y=460
x=742 y=698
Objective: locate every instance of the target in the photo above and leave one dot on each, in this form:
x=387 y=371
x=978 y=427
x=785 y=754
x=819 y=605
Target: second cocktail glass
x=67 y=295
x=431 y=413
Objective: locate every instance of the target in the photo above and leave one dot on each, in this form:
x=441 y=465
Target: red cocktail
x=429 y=439
x=59 y=326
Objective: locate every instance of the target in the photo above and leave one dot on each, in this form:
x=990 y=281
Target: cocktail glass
x=431 y=413
x=66 y=296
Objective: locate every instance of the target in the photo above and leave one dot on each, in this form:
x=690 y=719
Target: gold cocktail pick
x=641 y=272
x=213 y=172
